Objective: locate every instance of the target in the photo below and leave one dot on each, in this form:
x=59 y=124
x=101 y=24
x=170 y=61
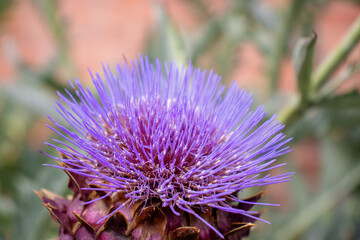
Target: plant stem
x=330 y=64
x=343 y=76
x=291 y=113
x=49 y=10
x=281 y=42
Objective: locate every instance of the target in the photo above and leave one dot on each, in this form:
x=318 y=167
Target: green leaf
x=32 y=96
x=303 y=60
x=167 y=43
x=336 y=57
x=32 y=220
x=347 y=100
x=338 y=187
x=4 y=6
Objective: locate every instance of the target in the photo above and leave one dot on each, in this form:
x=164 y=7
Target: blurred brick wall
x=25 y=38
x=104 y=33
x=94 y=34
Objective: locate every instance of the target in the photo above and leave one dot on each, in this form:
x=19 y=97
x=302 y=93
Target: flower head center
x=159 y=140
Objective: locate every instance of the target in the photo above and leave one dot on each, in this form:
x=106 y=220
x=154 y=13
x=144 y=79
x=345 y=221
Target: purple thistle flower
x=170 y=135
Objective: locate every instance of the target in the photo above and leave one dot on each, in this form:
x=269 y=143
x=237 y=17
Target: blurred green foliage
x=318 y=113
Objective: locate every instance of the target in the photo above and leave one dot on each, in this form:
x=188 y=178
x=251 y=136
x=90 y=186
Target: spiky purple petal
x=169 y=133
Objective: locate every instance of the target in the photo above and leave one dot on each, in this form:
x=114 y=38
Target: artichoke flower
x=161 y=152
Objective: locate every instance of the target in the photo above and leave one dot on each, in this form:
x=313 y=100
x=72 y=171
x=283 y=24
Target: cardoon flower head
x=160 y=152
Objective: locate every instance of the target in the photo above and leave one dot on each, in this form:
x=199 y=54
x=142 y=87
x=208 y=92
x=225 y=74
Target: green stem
x=281 y=42
x=290 y=112
x=212 y=34
x=321 y=205
x=343 y=76
x=331 y=63
x=293 y=112
x=49 y=10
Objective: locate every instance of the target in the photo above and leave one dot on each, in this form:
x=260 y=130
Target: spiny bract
x=160 y=152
